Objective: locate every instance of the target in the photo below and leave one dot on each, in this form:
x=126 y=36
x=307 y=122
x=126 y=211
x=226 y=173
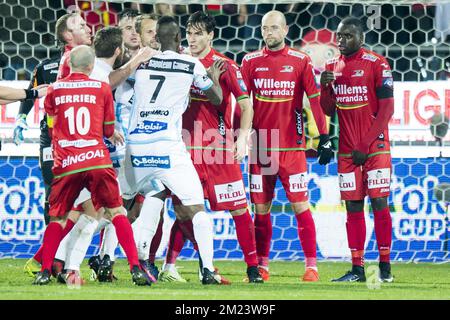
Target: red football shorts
x=102 y=184
x=372 y=179
x=222 y=182
x=289 y=166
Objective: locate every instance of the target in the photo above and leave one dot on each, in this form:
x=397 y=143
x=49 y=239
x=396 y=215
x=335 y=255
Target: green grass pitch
x=412 y=281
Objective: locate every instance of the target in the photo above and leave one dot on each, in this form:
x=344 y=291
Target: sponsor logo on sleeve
x=261 y=69
x=242 y=85
x=379 y=178
x=47 y=154
x=388 y=82
x=256 y=183
x=298 y=182
x=347 y=181
x=149 y=127
x=151 y=162
x=232 y=191
x=387 y=74
x=51 y=66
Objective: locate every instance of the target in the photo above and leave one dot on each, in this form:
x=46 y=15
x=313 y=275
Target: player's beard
x=273 y=43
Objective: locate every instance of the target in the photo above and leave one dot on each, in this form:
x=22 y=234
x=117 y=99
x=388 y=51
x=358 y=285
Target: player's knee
x=300 y=207
x=73 y=215
x=354 y=205
x=60 y=220
x=112 y=212
x=263 y=208
x=238 y=212
x=379 y=203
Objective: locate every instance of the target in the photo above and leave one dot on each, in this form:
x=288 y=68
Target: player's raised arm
x=8 y=94
x=327 y=101
x=214 y=90
x=119 y=75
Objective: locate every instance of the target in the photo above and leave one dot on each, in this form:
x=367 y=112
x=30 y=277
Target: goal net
x=413 y=36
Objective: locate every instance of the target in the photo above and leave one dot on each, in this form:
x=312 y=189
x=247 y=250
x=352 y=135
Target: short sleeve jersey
x=162 y=87
x=211 y=116
x=361 y=80
x=80 y=108
x=277 y=81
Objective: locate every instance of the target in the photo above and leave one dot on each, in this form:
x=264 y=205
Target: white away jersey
x=162 y=87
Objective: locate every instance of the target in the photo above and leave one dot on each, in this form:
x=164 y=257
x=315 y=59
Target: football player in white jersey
x=155 y=149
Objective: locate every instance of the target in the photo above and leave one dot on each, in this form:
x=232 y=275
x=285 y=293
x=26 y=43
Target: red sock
x=188 y=231
x=245 y=232
x=383 y=233
x=126 y=239
x=52 y=237
x=263 y=237
x=307 y=234
x=69 y=225
x=356 y=234
x=156 y=241
x=176 y=243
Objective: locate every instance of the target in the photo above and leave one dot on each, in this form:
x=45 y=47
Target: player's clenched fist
x=326 y=78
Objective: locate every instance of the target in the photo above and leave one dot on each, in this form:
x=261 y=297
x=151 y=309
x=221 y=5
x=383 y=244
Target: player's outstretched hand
x=325 y=149
x=21 y=125
x=240 y=147
x=216 y=69
x=42 y=90
x=326 y=78
x=358 y=157
x=117 y=138
x=146 y=53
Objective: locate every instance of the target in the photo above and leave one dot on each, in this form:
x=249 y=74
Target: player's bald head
x=167 y=32
x=82 y=59
x=274 y=17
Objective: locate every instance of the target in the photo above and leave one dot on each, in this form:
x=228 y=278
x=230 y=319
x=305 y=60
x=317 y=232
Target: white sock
x=203 y=233
x=109 y=243
x=148 y=223
x=62 y=248
x=79 y=241
x=168 y=267
x=102 y=224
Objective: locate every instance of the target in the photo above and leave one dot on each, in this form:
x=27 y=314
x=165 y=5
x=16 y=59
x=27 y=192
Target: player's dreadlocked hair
x=202 y=20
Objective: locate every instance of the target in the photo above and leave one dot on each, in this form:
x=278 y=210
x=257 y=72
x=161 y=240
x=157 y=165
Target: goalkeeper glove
x=21 y=124
x=325 y=149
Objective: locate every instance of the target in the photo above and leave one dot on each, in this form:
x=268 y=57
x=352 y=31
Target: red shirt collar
x=283 y=51
x=67 y=48
x=356 y=55
x=78 y=76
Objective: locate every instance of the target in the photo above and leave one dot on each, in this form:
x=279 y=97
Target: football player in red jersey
x=278 y=76
x=209 y=137
x=359 y=85
x=80 y=113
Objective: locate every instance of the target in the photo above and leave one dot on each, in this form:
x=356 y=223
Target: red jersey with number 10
x=81 y=112
x=361 y=79
x=278 y=81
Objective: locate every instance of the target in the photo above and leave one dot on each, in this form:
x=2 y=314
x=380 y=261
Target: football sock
x=110 y=242
x=38 y=255
x=126 y=239
x=148 y=223
x=307 y=234
x=356 y=234
x=52 y=237
x=203 y=232
x=62 y=248
x=156 y=241
x=79 y=240
x=383 y=233
x=245 y=232
x=176 y=242
x=263 y=236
